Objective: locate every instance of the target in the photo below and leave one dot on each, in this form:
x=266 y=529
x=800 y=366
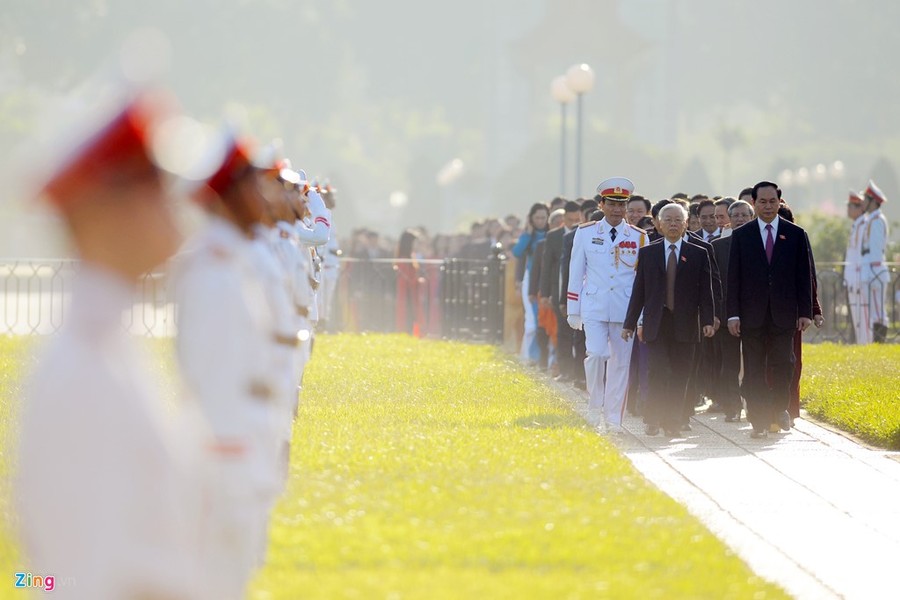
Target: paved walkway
x=810 y=509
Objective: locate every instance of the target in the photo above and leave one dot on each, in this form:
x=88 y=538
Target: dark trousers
x=794 y=404
x=728 y=385
x=564 y=338
x=768 y=350
x=670 y=362
x=638 y=378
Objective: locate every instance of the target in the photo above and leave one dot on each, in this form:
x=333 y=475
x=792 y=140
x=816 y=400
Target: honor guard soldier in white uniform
x=226 y=351
x=858 y=300
x=874 y=275
x=313 y=228
x=331 y=264
x=109 y=494
x=278 y=283
x=278 y=184
x=601 y=275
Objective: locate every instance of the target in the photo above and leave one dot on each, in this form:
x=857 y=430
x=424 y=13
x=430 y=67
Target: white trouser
x=607 y=352
x=325 y=294
x=875 y=283
x=242 y=492
x=530 y=321
x=859 y=306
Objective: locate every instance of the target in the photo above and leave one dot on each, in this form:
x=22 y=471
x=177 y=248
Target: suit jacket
x=721 y=250
x=717 y=279
x=564 y=264
x=754 y=285
x=694 y=304
x=550 y=273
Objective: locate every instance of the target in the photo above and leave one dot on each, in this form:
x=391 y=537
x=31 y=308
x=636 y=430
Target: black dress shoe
x=651 y=429
x=732 y=417
x=784 y=421
x=758 y=434
x=715 y=407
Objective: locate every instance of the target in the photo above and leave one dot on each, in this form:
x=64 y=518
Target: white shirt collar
x=762 y=227
x=666 y=243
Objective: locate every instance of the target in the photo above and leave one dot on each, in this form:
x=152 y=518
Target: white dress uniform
x=225 y=352
x=874 y=275
x=859 y=301
x=283 y=337
x=295 y=263
x=314 y=232
x=601 y=275
x=331 y=265
x=318 y=231
x=108 y=493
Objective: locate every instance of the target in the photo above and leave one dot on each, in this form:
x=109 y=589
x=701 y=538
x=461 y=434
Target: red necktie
x=770 y=243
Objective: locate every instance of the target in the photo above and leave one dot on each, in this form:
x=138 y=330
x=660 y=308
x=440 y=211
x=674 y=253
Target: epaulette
x=587 y=224
x=638 y=229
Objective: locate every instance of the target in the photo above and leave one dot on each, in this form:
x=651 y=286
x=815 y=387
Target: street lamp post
x=561 y=92
x=579 y=79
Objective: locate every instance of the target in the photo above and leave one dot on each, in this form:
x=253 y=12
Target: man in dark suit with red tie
x=769 y=298
x=673 y=298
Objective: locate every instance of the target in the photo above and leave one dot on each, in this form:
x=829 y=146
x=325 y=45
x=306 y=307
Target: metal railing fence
x=451 y=298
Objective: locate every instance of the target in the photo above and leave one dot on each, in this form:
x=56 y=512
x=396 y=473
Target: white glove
x=575 y=321
x=315 y=203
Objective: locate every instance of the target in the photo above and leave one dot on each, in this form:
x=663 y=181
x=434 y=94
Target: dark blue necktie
x=612 y=234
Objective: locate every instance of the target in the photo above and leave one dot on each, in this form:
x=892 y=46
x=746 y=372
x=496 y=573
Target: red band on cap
x=615 y=193
x=236 y=163
x=118 y=147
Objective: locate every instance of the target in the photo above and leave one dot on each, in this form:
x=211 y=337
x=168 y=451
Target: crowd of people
x=117 y=496
x=718 y=310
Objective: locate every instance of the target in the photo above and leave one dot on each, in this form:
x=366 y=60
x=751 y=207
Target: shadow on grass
x=550 y=421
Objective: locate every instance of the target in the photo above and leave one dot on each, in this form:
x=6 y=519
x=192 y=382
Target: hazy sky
x=380 y=96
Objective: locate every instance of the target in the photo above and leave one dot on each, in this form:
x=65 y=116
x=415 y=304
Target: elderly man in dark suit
x=769 y=298
x=673 y=298
x=727 y=385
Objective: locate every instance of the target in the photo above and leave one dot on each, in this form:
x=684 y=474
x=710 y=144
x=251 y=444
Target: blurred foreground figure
x=226 y=340
x=108 y=492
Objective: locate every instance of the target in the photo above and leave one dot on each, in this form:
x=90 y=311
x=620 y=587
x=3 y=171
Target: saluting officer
x=331 y=264
x=874 y=272
x=601 y=275
x=852 y=270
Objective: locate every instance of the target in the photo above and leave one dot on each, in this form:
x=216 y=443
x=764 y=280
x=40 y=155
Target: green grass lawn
x=440 y=470
x=856 y=388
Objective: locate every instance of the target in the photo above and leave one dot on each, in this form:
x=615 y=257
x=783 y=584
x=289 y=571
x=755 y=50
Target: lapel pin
x=780 y=237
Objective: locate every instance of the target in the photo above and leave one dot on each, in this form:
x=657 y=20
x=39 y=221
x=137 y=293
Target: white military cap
x=875 y=193
x=615 y=188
